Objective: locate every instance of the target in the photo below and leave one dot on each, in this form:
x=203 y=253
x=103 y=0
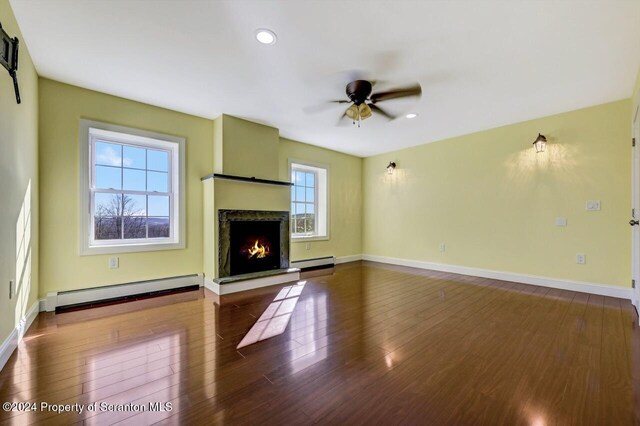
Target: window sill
x=304 y=239
x=129 y=248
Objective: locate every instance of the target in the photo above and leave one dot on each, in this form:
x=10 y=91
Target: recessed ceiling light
x=411 y=115
x=265 y=36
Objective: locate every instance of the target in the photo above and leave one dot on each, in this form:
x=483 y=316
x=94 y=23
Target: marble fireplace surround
x=225 y=217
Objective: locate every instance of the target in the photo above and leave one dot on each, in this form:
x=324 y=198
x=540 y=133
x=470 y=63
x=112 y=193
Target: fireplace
x=252 y=241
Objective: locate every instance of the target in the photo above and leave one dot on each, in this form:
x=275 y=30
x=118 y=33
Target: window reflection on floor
x=312 y=320
x=275 y=318
x=133 y=365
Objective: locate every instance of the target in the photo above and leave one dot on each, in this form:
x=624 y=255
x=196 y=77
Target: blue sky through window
x=131 y=168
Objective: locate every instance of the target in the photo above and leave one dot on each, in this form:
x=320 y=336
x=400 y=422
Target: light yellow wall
x=19 y=185
x=61 y=108
x=345 y=199
x=245 y=148
x=493 y=201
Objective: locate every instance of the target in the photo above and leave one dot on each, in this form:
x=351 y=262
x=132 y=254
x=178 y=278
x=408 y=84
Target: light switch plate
x=593 y=205
x=561 y=221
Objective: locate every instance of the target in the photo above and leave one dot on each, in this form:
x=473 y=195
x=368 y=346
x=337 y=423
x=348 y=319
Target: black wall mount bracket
x=9 y=58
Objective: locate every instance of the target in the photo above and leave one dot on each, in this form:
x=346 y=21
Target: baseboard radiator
x=118 y=291
x=311 y=264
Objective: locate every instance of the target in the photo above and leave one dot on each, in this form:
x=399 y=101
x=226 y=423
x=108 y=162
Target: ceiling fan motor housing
x=359 y=91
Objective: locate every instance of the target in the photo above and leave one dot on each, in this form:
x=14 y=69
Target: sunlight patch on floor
x=275 y=318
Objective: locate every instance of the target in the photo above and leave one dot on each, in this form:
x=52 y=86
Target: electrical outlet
x=307 y=246
x=114 y=263
x=561 y=221
x=442 y=247
x=10 y=289
x=581 y=258
x=593 y=205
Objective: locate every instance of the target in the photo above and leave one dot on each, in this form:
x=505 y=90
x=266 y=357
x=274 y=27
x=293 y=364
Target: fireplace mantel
x=252 y=179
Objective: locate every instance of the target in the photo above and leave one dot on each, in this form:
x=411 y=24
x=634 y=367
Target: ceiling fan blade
x=403 y=92
x=375 y=108
x=323 y=106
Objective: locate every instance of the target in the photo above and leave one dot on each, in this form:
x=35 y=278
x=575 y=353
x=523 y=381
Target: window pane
x=108 y=204
x=134 y=157
x=158 y=205
x=157 y=160
x=300 y=193
x=134 y=180
x=310 y=209
x=158 y=227
x=157 y=181
x=109 y=154
x=134 y=227
x=299 y=180
x=310 y=224
x=134 y=205
x=107 y=228
x=299 y=209
x=311 y=195
x=108 y=177
x=107 y=216
x=299 y=226
x=310 y=179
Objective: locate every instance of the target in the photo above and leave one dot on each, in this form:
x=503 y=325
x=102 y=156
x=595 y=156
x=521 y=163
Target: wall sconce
x=540 y=143
x=391 y=167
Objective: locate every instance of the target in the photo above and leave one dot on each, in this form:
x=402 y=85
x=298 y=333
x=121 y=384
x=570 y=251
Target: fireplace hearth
x=252 y=241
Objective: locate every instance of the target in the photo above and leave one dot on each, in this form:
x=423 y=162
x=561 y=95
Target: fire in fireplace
x=258 y=250
x=255 y=246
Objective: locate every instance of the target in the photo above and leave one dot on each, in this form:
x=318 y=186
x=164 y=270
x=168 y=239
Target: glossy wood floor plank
x=370 y=343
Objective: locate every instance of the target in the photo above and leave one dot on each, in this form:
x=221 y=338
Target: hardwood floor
x=370 y=344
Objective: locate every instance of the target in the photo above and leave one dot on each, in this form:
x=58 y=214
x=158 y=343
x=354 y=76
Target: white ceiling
x=481 y=64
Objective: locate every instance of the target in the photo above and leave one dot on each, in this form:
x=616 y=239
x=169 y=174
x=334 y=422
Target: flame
x=258 y=250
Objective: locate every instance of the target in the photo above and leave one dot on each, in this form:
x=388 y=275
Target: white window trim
x=307 y=238
x=85 y=207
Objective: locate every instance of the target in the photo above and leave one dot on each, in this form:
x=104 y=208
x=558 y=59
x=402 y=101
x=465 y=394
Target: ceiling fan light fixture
x=265 y=36
x=352 y=112
x=365 y=111
x=411 y=115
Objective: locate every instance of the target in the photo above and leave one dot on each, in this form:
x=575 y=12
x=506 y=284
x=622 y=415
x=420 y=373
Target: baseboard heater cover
x=119 y=291
x=311 y=264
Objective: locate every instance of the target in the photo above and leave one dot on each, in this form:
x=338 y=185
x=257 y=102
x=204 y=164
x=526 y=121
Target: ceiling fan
x=364 y=103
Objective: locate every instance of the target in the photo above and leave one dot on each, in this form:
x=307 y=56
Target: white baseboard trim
x=11 y=342
x=583 y=287
x=95 y=294
x=235 y=287
x=347 y=259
